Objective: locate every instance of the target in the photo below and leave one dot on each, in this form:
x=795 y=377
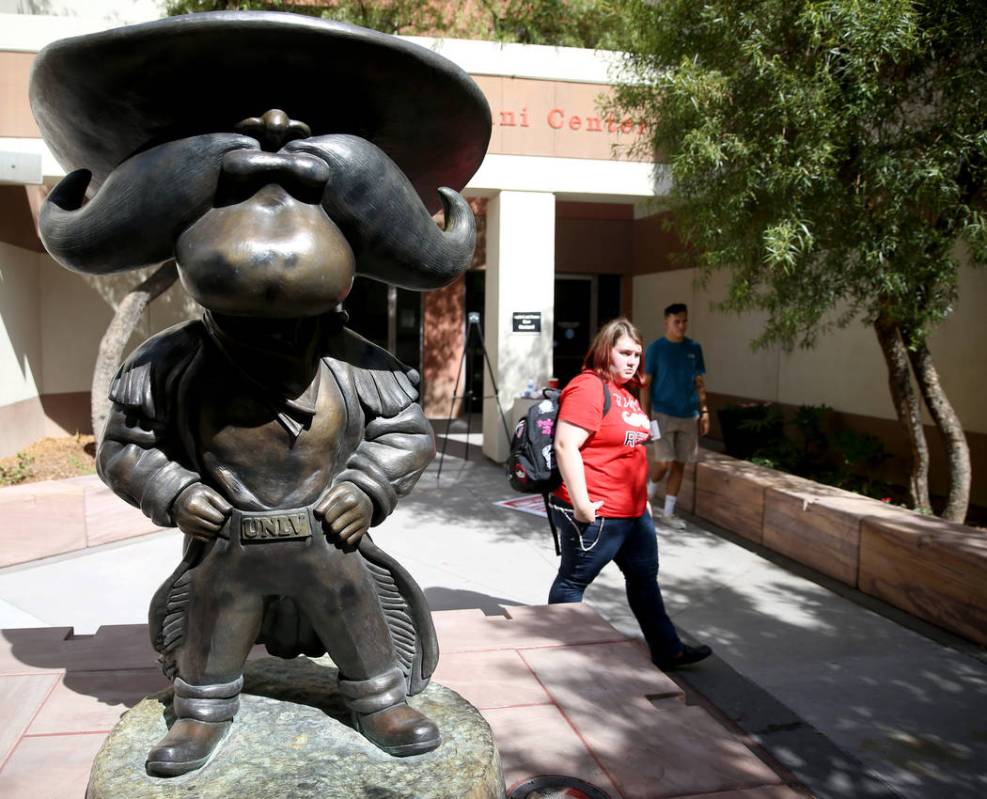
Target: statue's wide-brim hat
x=100 y=98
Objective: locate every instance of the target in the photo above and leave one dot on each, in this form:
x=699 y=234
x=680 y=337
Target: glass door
x=389 y=317
x=575 y=323
x=582 y=304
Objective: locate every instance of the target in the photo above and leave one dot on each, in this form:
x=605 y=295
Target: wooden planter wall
x=928 y=567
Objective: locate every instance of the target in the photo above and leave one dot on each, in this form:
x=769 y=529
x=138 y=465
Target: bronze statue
x=273 y=156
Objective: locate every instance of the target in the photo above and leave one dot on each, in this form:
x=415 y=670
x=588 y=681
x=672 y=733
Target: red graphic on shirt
x=632 y=439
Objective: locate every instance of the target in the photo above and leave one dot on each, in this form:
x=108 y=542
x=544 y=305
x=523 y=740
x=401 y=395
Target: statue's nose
x=273 y=129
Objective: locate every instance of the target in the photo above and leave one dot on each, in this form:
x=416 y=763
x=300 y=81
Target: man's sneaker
x=671 y=520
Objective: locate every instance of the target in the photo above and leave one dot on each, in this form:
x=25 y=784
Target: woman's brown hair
x=598 y=356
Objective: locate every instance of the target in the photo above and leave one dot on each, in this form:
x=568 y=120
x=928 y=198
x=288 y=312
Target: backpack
x=531 y=466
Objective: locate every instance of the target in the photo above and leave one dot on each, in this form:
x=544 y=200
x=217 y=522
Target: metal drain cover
x=555 y=786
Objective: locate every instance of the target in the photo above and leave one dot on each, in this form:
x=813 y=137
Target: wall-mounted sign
x=560 y=119
x=526 y=321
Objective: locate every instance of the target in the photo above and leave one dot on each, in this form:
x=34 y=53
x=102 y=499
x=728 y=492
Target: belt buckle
x=271 y=527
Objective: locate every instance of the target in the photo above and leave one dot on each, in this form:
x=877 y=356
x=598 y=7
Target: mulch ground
x=50 y=459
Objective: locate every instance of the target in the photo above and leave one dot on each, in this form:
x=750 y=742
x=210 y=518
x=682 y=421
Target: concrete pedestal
x=291 y=739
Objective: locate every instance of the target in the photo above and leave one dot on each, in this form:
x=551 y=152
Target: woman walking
x=601 y=509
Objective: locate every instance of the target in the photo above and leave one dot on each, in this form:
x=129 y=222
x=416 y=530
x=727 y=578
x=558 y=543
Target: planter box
x=687 y=493
x=730 y=493
x=819 y=525
x=929 y=567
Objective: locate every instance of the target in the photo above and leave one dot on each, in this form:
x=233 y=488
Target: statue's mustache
x=146 y=203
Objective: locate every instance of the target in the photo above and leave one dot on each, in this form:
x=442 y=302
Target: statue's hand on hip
x=346 y=512
x=200 y=511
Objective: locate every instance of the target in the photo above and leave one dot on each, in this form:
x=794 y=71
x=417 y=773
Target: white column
x=520 y=279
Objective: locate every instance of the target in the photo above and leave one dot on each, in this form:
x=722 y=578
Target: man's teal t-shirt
x=673 y=367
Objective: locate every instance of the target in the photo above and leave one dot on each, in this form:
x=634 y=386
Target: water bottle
x=530 y=391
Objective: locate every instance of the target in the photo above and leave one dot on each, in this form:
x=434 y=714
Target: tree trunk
x=957 y=449
x=118 y=333
x=907 y=408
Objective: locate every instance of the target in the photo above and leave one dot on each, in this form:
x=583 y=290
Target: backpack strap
x=551 y=523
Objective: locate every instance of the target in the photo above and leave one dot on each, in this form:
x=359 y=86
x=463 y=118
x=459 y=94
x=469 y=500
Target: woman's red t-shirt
x=614 y=459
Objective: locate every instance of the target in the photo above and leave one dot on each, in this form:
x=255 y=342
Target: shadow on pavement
x=458 y=599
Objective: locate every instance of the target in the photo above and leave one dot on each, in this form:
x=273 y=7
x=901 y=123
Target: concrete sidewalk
x=855 y=698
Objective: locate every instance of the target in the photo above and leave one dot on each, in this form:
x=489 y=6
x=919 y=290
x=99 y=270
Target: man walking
x=674 y=370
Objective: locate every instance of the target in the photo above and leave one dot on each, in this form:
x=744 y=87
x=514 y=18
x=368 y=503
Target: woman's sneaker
x=671 y=520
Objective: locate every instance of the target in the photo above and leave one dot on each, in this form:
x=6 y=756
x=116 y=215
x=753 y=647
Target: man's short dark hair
x=676 y=308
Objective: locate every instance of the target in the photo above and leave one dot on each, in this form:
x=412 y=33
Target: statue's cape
x=384 y=387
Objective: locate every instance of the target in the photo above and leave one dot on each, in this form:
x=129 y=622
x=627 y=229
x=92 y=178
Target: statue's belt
x=270 y=526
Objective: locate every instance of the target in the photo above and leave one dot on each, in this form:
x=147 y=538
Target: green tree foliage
x=389 y=16
x=832 y=155
x=564 y=23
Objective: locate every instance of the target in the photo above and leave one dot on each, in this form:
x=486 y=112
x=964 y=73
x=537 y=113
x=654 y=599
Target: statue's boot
x=382 y=715
x=203 y=716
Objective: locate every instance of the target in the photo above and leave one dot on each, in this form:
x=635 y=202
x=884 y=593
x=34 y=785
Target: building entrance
x=582 y=304
x=389 y=317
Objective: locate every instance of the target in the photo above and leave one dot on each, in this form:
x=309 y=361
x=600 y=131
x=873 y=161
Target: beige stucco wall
x=845 y=370
x=653 y=292
x=75 y=312
x=959 y=347
x=20 y=348
x=732 y=366
x=74 y=316
x=51 y=324
x=20 y=324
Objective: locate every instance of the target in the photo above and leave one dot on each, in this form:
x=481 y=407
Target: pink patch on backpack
x=545 y=426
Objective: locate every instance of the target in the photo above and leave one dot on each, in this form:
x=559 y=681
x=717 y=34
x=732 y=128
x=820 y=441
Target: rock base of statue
x=292 y=738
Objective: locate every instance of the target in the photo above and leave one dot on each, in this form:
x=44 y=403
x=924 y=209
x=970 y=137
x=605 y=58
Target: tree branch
x=121 y=327
x=907 y=409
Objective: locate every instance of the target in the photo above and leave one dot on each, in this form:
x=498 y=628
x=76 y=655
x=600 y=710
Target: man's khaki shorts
x=679 y=439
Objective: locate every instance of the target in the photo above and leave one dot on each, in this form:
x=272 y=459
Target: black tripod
x=472 y=328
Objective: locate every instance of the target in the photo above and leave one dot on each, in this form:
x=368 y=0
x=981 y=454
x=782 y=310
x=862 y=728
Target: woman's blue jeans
x=632 y=545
